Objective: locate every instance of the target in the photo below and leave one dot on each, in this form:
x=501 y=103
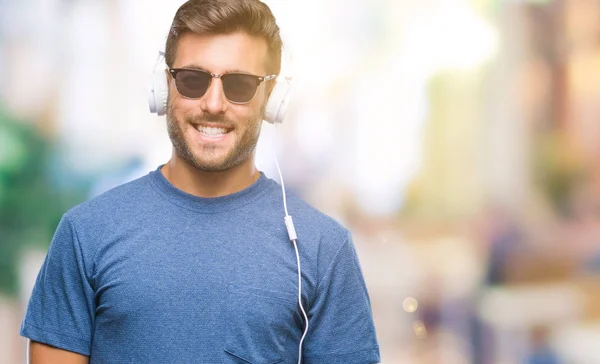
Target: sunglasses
x=239 y=88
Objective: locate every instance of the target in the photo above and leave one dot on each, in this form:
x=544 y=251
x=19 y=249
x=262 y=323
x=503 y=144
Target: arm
x=44 y=354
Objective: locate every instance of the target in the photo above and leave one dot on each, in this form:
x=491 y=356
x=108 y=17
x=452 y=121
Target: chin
x=212 y=165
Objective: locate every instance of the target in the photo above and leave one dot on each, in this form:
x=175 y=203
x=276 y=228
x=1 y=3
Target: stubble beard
x=203 y=158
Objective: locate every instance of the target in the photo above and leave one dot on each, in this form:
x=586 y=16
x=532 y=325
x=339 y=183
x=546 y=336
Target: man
x=192 y=263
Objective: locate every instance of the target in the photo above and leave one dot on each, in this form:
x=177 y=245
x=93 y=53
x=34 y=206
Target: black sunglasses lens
x=192 y=83
x=239 y=88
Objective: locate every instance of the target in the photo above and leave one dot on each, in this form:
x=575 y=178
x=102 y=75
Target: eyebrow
x=233 y=70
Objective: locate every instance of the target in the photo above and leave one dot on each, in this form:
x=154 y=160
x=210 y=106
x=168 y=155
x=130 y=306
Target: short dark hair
x=226 y=16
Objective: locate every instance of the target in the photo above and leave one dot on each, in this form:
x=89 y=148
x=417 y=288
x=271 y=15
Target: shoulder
x=317 y=230
x=112 y=205
x=307 y=214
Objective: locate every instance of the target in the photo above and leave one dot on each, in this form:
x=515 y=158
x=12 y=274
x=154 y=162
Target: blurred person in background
x=192 y=262
x=542 y=352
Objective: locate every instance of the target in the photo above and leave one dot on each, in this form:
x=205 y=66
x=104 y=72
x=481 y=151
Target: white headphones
x=275 y=111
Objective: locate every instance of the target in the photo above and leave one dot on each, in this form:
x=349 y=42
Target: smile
x=210 y=131
x=213 y=131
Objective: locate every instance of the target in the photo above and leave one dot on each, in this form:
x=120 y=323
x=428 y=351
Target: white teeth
x=211 y=131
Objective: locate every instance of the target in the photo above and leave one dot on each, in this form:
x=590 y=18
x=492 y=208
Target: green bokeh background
x=31 y=199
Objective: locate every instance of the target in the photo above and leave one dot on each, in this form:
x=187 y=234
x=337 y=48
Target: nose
x=214 y=101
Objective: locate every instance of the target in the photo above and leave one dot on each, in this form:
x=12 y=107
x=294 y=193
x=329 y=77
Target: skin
x=200 y=166
x=43 y=354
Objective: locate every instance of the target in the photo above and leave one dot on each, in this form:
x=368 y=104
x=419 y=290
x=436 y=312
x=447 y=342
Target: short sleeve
x=61 y=309
x=341 y=329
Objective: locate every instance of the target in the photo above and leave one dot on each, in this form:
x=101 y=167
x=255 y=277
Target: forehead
x=220 y=53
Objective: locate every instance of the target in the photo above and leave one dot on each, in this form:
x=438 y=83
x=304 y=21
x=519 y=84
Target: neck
x=189 y=179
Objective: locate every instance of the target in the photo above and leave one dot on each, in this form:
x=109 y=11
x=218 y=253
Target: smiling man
x=214 y=130
x=192 y=263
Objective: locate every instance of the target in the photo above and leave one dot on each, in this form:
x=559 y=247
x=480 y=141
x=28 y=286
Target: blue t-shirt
x=146 y=273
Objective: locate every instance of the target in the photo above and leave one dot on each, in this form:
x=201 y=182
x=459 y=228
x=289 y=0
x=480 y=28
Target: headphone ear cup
x=158 y=93
x=277 y=105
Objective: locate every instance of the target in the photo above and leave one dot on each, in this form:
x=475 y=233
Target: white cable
x=292 y=234
x=300 y=303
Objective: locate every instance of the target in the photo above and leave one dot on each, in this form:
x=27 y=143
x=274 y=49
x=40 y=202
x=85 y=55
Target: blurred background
x=459 y=140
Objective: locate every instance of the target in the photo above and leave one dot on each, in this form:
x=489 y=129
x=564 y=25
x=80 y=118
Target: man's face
x=196 y=126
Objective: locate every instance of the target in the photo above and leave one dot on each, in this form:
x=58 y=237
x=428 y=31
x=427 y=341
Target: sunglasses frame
x=259 y=80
